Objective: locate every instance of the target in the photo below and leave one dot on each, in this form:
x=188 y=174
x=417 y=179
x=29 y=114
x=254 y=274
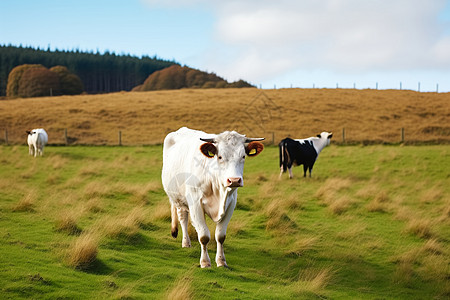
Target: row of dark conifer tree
x=100 y=73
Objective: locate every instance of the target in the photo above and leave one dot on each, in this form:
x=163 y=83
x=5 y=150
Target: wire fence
x=419 y=87
x=271 y=138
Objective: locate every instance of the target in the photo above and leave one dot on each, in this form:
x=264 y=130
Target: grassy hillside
x=93 y=222
x=146 y=117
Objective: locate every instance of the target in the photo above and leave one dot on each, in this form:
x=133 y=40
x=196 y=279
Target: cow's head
x=228 y=150
x=326 y=136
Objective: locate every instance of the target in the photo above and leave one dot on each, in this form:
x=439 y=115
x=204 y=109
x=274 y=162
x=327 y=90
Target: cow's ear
x=330 y=135
x=254 y=148
x=319 y=136
x=208 y=150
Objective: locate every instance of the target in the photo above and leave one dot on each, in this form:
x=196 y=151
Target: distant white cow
x=201 y=173
x=37 y=139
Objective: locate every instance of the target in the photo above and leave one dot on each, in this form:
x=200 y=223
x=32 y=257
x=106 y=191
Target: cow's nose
x=234 y=182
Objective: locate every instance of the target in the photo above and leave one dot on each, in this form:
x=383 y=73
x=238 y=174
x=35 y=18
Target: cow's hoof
x=186 y=245
x=222 y=264
x=205 y=264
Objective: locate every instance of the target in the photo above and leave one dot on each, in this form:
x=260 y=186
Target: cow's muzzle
x=235 y=182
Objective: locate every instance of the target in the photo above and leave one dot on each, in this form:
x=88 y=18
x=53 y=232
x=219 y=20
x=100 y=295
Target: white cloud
x=341 y=35
x=261 y=39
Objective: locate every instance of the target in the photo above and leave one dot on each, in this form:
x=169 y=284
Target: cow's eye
x=243 y=157
x=220 y=157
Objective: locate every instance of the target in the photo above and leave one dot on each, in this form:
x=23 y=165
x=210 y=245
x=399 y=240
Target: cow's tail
x=174 y=214
x=284 y=156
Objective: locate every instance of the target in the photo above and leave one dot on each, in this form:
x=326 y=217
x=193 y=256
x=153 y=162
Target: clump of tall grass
x=433 y=246
x=420 y=227
x=66 y=222
x=161 y=211
x=313 y=281
x=127 y=225
x=379 y=203
x=431 y=195
x=331 y=186
x=96 y=189
x=93 y=205
x=278 y=218
x=182 y=289
x=340 y=204
x=27 y=203
x=301 y=245
x=82 y=253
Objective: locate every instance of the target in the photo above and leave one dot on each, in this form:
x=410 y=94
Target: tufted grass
x=94 y=222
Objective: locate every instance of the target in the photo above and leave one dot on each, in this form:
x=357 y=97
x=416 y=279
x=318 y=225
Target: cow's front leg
x=199 y=222
x=221 y=233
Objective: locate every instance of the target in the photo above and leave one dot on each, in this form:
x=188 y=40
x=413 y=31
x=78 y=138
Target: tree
x=12 y=89
x=70 y=84
x=37 y=82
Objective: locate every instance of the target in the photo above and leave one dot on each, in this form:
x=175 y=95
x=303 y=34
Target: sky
x=271 y=44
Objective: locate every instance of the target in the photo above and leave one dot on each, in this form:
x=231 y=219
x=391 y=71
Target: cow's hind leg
x=183 y=216
x=305 y=169
x=173 y=213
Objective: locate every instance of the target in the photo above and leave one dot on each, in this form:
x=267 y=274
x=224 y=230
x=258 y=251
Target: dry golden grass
x=67 y=222
x=161 y=211
x=328 y=193
x=301 y=245
x=83 y=251
x=420 y=227
x=126 y=225
x=27 y=203
x=313 y=281
x=181 y=289
x=331 y=186
x=353 y=232
x=380 y=203
x=146 y=117
x=433 y=246
x=432 y=195
x=340 y=205
x=94 y=205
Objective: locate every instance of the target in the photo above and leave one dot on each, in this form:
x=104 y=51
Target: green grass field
x=94 y=222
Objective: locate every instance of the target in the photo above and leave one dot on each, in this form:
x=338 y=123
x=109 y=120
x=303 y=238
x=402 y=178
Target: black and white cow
x=302 y=152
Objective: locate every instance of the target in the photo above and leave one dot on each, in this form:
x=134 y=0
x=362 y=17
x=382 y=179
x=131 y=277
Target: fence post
x=6 y=136
x=65 y=137
x=403 y=135
x=273 y=138
x=120 y=138
x=343 y=135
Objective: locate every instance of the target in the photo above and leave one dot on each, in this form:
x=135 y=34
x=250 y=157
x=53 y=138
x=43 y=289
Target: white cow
x=37 y=139
x=201 y=173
